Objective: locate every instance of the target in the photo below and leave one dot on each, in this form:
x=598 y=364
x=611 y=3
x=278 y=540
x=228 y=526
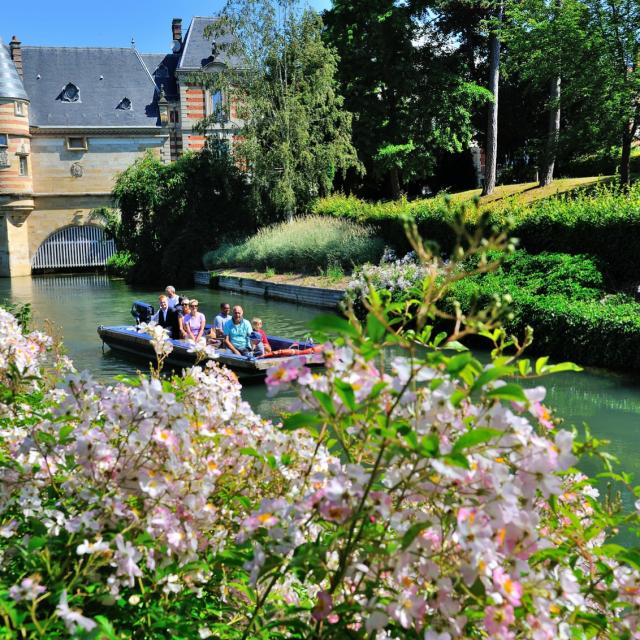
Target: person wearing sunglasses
x=193 y=322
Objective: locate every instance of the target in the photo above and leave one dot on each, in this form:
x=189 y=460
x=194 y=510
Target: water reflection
x=77 y=304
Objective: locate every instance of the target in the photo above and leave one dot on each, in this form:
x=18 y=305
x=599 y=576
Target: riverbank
x=298 y=288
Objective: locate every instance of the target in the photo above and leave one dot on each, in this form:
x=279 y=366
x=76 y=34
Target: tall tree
x=406 y=87
x=296 y=134
x=546 y=41
x=616 y=32
x=491 y=145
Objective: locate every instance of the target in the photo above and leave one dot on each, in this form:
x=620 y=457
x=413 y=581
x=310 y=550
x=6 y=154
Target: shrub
x=603 y=222
x=171 y=213
x=305 y=244
x=120 y=263
x=422 y=495
x=562 y=297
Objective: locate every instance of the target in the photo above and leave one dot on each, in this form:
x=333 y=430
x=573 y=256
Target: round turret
x=15 y=145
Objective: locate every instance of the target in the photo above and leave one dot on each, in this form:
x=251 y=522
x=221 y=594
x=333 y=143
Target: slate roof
x=154 y=63
x=196 y=52
x=104 y=77
x=10 y=83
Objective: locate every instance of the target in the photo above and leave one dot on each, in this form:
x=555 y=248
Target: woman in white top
x=193 y=322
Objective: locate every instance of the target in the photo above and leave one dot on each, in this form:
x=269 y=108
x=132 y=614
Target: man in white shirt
x=167 y=318
x=172 y=297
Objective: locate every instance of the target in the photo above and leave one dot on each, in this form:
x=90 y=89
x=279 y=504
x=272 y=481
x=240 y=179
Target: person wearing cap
x=236 y=333
x=257 y=348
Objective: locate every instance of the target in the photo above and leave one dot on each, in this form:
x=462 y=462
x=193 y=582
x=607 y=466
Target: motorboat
x=132 y=340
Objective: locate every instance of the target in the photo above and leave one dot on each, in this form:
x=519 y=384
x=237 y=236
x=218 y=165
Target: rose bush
x=413 y=492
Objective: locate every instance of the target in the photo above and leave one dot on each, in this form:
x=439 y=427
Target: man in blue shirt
x=237 y=331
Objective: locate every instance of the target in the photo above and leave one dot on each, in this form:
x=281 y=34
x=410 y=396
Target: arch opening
x=74 y=247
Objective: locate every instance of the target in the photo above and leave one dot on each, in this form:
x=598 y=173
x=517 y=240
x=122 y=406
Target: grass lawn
x=527 y=192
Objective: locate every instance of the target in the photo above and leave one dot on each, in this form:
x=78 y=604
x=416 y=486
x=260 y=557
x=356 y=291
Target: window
x=4 y=140
x=217 y=107
x=20 y=110
x=124 y=104
x=24 y=166
x=174 y=116
x=70 y=93
x=77 y=144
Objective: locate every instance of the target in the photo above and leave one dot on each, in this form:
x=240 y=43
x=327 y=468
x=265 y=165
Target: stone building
x=71 y=119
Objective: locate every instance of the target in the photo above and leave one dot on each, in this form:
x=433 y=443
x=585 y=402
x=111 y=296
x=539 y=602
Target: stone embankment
x=310 y=293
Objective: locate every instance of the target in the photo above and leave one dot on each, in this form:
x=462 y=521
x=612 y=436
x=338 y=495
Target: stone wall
x=55 y=212
x=58 y=170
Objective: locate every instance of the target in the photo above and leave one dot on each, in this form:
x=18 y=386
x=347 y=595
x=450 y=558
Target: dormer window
x=124 y=104
x=70 y=93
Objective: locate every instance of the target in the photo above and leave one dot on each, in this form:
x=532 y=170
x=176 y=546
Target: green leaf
x=511 y=392
x=325 y=402
x=475 y=437
x=36 y=542
x=491 y=374
x=333 y=324
x=346 y=394
x=459 y=362
x=300 y=421
x=456 y=460
x=412 y=533
x=375 y=329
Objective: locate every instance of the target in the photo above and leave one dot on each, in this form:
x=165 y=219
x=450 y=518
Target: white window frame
x=20 y=109
x=23 y=161
x=84 y=146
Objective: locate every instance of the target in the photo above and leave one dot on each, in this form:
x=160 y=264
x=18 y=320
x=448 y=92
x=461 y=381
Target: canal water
x=76 y=304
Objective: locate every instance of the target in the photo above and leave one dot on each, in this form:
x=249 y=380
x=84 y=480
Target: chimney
x=176 y=29
x=16 y=54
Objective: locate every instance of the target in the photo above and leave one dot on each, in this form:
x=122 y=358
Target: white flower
x=73 y=617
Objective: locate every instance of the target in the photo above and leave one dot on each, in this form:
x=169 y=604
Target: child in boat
x=256 y=323
x=257 y=348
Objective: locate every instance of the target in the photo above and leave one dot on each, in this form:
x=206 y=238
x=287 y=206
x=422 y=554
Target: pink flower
x=498 y=619
x=323 y=607
x=509 y=588
x=281 y=375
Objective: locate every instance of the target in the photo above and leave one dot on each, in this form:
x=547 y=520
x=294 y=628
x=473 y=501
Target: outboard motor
x=141 y=311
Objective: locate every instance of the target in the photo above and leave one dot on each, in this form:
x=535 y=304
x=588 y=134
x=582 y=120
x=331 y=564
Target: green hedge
x=562 y=297
x=604 y=223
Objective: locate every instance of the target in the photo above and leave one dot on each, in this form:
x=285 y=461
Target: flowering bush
x=417 y=495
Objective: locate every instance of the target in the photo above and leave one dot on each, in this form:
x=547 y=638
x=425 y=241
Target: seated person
x=183 y=309
x=167 y=318
x=193 y=322
x=256 y=323
x=220 y=319
x=257 y=348
x=236 y=333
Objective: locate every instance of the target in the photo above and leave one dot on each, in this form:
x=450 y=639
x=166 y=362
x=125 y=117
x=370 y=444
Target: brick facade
x=53 y=171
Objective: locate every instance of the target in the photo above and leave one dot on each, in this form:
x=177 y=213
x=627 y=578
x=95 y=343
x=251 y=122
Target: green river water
x=77 y=304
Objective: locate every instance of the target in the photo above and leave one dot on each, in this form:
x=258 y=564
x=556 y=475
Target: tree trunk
x=492 y=123
x=625 y=159
x=553 y=135
x=394 y=179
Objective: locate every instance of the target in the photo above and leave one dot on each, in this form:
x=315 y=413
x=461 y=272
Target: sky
x=83 y=23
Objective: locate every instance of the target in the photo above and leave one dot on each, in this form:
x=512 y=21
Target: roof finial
x=133 y=42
